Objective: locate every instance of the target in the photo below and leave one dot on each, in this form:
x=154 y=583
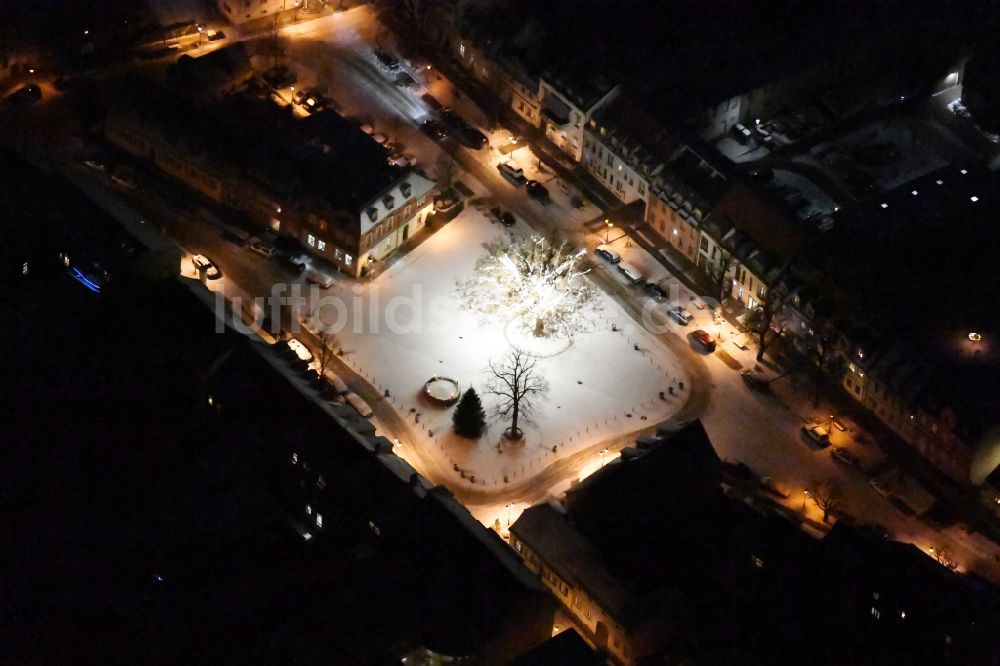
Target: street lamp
x=509 y=504
x=603 y=452
x=805 y=494
x=607 y=234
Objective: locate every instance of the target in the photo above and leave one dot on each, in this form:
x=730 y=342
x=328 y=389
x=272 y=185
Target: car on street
x=359 y=405
x=336 y=382
x=816 y=434
x=755 y=381
x=742 y=134
x=630 y=272
x=319 y=278
x=681 y=316
x=279 y=77
x=215 y=35
x=844 y=456
x=880 y=488
x=514 y=175
x=434 y=129
x=300 y=349
x=537 y=191
x=291 y=262
x=451 y=119
x=96 y=165
x=704 y=340
x=260 y=247
x=606 y=253
x=402 y=160
x=24 y=96
x=380 y=138
x=654 y=290
x=501 y=216
x=205 y=266
x=124 y=177
x=470 y=137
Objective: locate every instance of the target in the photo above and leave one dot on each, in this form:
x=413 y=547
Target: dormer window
x=372 y=213
x=388 y=202
x=405 y=188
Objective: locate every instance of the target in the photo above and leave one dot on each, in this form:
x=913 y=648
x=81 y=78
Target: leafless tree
x=945 y=559
x=444 y=172
x=718 y=271
x=760 y=320
x=828 y=496
x=517 y=382
x=325 y=354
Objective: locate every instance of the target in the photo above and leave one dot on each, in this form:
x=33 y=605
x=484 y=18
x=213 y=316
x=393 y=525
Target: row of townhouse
x=325 y=182
x=748 y=246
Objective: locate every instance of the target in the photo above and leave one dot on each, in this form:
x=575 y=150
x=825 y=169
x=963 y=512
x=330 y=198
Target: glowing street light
x=607 y=233
x=508 y=506
x=975 y=337
x=603 y=453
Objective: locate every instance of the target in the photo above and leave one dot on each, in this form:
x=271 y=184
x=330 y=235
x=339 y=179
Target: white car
x=203 y=264
x=318 y=278
x=880 y=488
x=336 y=382
x=359 y=405
x=260 y=247
x=300 y=350
x=403 y=160
x=514 y=175
x=630 y=272
x=680 y=315
x=380 y=138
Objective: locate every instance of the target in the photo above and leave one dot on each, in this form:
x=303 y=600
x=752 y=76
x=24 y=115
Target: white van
x=630 y=272
x=316 y=277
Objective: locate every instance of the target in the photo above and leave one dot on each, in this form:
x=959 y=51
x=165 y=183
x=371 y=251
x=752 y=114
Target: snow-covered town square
x=408 y=326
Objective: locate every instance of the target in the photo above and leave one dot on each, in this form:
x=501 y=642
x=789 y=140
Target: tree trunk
x=514 y=432
x=539 y=330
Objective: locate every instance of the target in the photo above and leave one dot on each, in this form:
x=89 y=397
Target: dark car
x=537 y=191
x=25 y=96
x=451 y=119
x=703 y=339
x=755 y=381
x=654 y=290
x=279 y=77
x=502 y=216
x=434 y=129
x=470 y=137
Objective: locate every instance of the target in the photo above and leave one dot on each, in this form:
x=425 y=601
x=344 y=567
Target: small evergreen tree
x=469 y=418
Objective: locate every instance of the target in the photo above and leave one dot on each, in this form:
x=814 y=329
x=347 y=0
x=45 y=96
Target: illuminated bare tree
x=945 y=559
x=518 y=384
x=828 y=496
x=533 y=281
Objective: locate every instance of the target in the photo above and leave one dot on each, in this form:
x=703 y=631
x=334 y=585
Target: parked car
x=434 y=129
x=513 y=174
x=842 y=455
x=279 y=77
x=203 y=264
x=300 y=349
x=742 y=133
x=606 y=253
x=291 y=262
x=880 y=488
x=359 y=405
x=94 y=164
x=319 y=278
x=630 y=272
x=680 y=315
x=216 y=35
x=817 y=435
x=336 y=382
x=704 y=340
x=502 y=217
x=537 y=191
x=470 y=137
x=776 y=487
x=755 y=381
x=654 y=290
x=260 y=247
x=403 y=160
x=451 y=119
x=124 y=177
x=380 y=138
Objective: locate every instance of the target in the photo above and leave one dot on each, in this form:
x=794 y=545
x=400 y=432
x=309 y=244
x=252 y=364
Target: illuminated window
x=348 y=259
x=311 y=240
x=319 y=520
x=295 y=458
x=321 y=246
x=876 y=613
x=309 y=509
x=461 y=49
x=973 y=199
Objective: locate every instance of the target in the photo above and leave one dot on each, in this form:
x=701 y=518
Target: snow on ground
x=407 y=326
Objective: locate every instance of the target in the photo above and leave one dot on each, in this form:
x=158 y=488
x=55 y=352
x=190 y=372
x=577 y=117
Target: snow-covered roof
x=411 y=187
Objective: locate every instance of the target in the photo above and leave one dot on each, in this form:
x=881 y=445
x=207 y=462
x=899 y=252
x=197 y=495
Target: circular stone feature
x=441 y=389
x=524 y=339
